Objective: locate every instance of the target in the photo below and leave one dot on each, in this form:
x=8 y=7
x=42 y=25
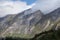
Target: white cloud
x=47 y=6
x=10 y=7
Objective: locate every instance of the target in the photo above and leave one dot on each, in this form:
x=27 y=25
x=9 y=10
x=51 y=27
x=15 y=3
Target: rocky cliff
x=26 y=24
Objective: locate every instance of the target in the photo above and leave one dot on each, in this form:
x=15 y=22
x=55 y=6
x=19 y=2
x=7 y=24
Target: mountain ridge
x=27 y=25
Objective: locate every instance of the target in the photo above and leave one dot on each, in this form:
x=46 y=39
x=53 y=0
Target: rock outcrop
x=26 y=24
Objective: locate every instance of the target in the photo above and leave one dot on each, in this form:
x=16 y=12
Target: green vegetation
x=47 y=35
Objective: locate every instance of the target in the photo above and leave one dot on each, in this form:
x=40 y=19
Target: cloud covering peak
x=47 y=6
x=12 y=7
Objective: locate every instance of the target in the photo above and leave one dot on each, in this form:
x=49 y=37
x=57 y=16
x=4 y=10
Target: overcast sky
x=47 y=6
x=16 y=6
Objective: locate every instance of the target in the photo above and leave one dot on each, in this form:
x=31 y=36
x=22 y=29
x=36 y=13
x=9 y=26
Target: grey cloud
x=47 y=6
x=10 y=7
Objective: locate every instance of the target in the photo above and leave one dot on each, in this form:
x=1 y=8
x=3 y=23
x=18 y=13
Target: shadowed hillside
x=47 y=35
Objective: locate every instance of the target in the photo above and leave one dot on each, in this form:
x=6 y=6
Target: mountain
x=49 y=20
x=27 y=23
x=20 y=24
x=47 y=35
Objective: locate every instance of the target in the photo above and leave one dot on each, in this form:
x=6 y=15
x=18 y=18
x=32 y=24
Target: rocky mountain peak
x=28 y=23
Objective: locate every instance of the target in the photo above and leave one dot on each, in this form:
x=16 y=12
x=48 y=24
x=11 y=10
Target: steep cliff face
x=5 y=22
x=49 y=21
x=21 y=24
x=26 y=24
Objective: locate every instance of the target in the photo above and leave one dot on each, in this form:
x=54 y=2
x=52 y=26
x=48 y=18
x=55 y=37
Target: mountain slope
x=23 y=24
x=26 y=24
x=49 y=20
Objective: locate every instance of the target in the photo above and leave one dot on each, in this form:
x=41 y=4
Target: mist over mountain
x=10 y=7
x=46 y=6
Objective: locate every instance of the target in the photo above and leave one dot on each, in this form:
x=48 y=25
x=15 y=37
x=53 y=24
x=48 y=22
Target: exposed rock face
x=26 y=24
x=5 y=22
x=50 y=20
x=22 y=23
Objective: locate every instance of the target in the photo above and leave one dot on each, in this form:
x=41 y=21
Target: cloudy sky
x=14 y=6
x=47 y=6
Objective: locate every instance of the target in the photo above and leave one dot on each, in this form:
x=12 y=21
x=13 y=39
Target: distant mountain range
x=26 y=24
